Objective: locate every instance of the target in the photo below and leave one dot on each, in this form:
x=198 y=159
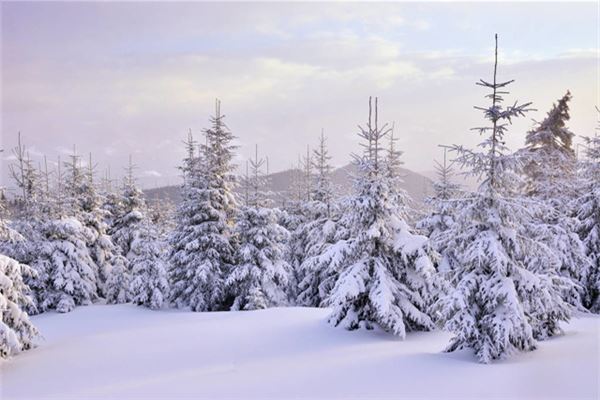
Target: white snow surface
x=128 y=352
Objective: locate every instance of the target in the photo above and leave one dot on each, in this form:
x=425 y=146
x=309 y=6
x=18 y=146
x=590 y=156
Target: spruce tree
x=149 y=285
x=442 y=206
x=260 y=278
x=86 y=205
x=550 y=162
x=28 y=212
x=56 y=245
x=65 y=266
x=320 y=232
x=17 y=333
x=125 y=230
x=387 y=273
x=550 y=171
x=203 y=251
x=132 y=210
x=587 y=209
x=507 y=292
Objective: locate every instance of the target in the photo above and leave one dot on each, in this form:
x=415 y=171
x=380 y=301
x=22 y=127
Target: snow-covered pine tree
x=36 y=209
x=260 y=278
x=17 y=333
x=85 y=202
x=111 y=203
x=550 y=170
x=65 y=265
x=28 y=212
x=127 y=225
x=550 y=162
x=64 y=261
x=506 y=290
x=55 y=243
x=587 y=208
x=202 y=249
x=299 y=214
x=149 y=284
x=132 y=212
x=387 y=272
x=161 y=214
x=322 y=188
x=321 y=231
x=442 y=209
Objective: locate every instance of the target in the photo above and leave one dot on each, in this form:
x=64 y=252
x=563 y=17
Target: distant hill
x=416 y=185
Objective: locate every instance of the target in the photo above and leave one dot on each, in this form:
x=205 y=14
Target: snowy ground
x=129 y=352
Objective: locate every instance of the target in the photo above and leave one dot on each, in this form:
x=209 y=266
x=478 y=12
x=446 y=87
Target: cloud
x=283 y=71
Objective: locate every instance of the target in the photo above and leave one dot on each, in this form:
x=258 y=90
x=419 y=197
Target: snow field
x=128 y=352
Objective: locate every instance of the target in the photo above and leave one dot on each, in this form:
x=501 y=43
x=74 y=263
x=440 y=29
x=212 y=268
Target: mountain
x=416 y=185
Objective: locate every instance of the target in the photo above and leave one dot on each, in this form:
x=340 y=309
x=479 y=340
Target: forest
x=499 y=268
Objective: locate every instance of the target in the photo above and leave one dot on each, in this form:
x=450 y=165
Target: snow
x=123 y=351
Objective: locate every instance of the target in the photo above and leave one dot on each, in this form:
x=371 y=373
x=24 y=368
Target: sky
x=119 y=79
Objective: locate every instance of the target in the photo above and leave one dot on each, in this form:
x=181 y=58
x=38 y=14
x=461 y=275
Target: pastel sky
x=131 y=78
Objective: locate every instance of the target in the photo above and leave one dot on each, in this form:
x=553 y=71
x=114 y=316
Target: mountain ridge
x=418 y=186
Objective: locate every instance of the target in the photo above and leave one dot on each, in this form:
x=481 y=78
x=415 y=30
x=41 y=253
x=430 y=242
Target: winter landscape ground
x=126 y=352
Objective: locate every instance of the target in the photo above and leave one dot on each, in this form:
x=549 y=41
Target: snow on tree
x=29 y=211
x=202 y=249
x=442 y=209
x=111 y=208
x=322 y=192
x=316 y=274
x=161 y=214
x=587 y=208
x=126 y=228
x=321 y=267
x=550 y=165
x=55 y=243
x=17 y=333
x=65 y=266
x=86 y=205
x=445 y=190
x=149 y=285
x=260 y=278
x=550 y=170
x=507 y=292
x=132 y=212
x=387 y=273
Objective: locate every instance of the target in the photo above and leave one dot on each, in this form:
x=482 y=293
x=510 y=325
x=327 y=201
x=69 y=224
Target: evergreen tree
x=56 y=244
x=442 y=210
x=260 y=278
x=111 y=209
x=550 y=170
x=65 y=266
x=550 y=165
x=29 y=211
x=86 y=205
x=202 y=251
x=125 y=230
x=387 y=272
x=17 y=333
x=506 y=289
x=132 y=211
x=321 y=231
x=149 y=285
x=588 y=213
